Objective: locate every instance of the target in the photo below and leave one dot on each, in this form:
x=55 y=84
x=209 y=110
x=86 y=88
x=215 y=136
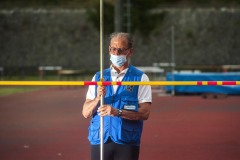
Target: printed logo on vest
x=129 y=88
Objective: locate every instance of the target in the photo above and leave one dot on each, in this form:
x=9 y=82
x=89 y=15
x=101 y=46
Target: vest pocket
x=129 y=103
x=94 y=134
x=130 y=135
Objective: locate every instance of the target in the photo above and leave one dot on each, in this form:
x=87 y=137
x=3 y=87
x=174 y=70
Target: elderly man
x=125 y=107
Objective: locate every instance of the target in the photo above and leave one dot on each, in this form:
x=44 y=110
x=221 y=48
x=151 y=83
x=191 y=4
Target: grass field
x=4 y=91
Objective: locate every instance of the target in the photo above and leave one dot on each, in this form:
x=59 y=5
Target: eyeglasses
x=118 y=50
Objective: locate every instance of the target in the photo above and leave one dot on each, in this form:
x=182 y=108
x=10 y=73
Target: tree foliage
x=93 y=16
x=143 y=20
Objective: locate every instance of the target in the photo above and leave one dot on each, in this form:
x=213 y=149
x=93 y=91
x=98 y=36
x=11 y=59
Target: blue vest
x=120 y=130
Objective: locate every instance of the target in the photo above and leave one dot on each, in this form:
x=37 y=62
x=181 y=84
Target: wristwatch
x=120 y=112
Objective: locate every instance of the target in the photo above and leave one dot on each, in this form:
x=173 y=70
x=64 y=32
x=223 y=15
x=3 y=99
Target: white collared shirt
x=144 y=92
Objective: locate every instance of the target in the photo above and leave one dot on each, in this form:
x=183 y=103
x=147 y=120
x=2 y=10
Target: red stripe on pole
x=213 y=83
x=119 y=83
x=106 y=83
x=229 y=83
x=199 y=83
x=87 y=83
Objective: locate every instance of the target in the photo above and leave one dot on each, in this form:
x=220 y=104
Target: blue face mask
x=118 y=61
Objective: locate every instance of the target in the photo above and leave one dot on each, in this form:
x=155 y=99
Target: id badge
x=130 y=107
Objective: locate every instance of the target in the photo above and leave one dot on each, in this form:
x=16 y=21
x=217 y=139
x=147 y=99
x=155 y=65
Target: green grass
x=9 y=90
x=4 y=91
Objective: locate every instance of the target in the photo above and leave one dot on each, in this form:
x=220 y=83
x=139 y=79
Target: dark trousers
x=114 y=151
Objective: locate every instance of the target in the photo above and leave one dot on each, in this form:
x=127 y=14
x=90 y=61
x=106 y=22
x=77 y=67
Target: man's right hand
x=101 y=90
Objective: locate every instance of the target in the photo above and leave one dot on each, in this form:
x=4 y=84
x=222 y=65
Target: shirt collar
x=115 y=72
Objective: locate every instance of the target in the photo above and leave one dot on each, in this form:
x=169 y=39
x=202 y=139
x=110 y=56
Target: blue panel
x=230 y=76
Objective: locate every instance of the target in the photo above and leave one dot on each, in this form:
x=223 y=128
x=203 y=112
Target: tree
x=141 y=18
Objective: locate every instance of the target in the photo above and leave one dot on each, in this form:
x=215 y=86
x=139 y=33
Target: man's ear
x=130 y=52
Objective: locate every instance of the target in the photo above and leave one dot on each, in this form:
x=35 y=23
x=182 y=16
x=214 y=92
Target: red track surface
x=48 y=125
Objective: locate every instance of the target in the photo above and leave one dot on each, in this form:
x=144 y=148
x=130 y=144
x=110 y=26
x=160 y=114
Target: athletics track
x=48 y=125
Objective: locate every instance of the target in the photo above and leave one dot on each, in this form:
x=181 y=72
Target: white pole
x=101 y=77
x=173 y=56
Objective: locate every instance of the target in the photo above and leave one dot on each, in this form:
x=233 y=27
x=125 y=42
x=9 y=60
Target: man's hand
x=105 y=110
x=101 y=91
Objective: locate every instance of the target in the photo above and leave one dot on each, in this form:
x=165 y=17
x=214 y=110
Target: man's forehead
x=121 y=40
